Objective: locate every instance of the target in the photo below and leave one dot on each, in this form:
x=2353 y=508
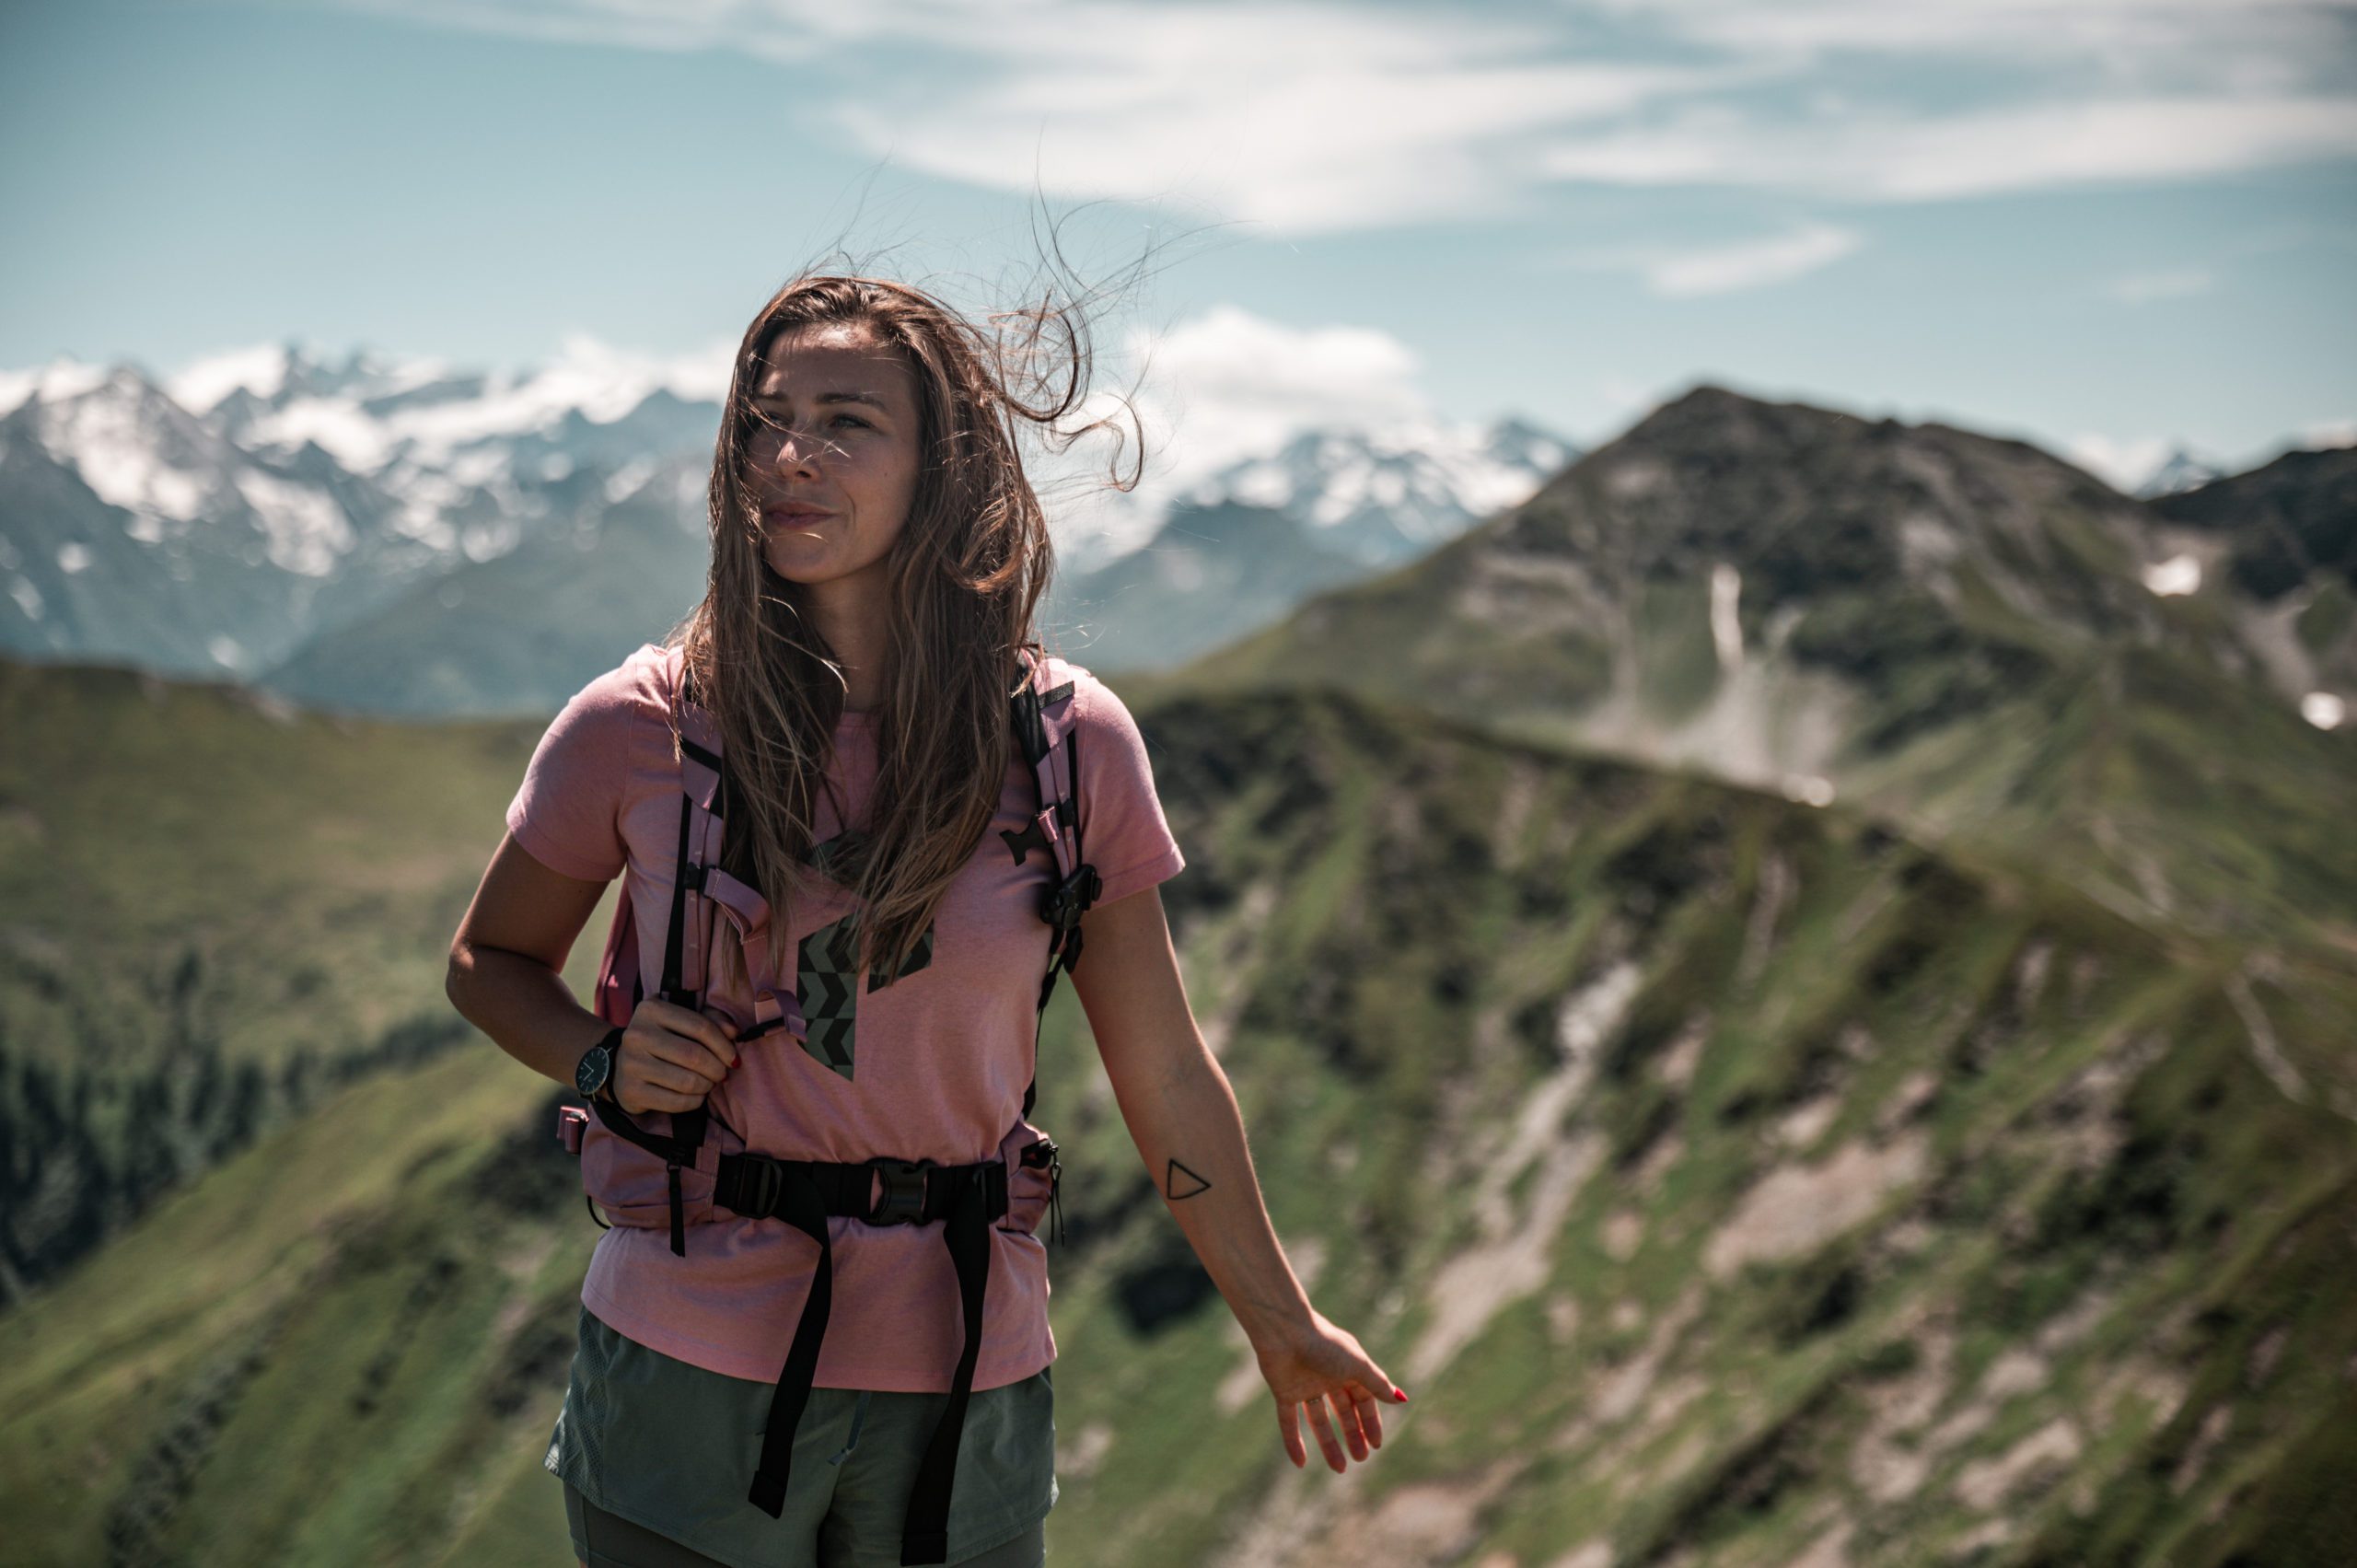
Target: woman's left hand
x=1318 y=1364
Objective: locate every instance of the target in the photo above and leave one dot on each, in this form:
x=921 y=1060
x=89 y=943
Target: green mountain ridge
x=1951 y=628
x=218 y=908
x=1728 y=1178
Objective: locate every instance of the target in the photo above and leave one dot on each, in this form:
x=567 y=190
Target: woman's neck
x=853 y=615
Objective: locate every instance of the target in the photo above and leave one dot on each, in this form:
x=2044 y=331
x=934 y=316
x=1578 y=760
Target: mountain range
x=398 y=536
x=1794 y=984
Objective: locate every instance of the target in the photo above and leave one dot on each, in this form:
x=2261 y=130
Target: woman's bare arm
x=1182 y=1115
x=506 y=977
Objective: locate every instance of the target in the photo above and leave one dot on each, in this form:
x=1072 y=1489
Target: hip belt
x=966 y=1199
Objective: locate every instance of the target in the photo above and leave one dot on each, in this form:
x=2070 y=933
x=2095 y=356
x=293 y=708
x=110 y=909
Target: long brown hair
x=966 y=572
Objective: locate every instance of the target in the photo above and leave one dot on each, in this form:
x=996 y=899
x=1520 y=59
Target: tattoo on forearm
x=1179 y=1182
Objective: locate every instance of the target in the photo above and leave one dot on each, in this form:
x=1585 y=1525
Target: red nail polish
x=1399 y=1393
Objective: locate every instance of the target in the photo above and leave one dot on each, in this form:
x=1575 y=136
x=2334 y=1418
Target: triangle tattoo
x=1173 y=1186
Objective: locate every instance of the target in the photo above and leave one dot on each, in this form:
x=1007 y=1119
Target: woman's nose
x=796 y=452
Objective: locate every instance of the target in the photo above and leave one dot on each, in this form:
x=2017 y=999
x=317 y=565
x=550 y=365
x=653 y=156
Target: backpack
x=703 y=1162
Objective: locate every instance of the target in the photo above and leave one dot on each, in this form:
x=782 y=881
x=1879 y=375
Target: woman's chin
x=804 y=566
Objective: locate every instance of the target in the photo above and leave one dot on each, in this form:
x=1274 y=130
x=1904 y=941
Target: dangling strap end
x=915 y=1549
x=678 y=1214
x=769 y=1494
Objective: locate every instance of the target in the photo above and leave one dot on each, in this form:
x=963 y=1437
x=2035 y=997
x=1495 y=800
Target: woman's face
x=834 y=466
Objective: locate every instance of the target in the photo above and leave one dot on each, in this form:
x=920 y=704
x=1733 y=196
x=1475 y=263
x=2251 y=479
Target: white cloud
x=1725 y=269
x=1224 y=385
x=1895 y=157
x=2329 y=433
x=2252 y=41
x=2137 y=288
x=1323 y=115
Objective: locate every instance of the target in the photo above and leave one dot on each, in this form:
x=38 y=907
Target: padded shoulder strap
x=1047 y=731
x=1044 y=720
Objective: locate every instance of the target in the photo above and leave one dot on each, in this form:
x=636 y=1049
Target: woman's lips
x=795 y=514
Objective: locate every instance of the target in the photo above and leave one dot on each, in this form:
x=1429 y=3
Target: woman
x=876 y=558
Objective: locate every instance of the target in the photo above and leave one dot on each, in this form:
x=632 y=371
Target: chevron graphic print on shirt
x=828 y=988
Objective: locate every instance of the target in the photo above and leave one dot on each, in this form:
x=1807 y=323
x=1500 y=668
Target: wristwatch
x=596 y=1068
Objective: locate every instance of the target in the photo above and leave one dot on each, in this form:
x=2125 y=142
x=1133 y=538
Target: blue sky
x=2099 y=224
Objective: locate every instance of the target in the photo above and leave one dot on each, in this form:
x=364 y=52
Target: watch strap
x=610 y=1043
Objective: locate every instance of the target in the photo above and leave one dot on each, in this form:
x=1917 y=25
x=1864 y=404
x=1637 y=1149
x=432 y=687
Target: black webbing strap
x=925 y=1531
x=966 y=1199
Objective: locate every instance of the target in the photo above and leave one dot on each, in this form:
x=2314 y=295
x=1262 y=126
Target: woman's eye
x=779 y=421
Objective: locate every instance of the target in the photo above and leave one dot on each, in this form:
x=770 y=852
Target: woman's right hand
x=670 y=1058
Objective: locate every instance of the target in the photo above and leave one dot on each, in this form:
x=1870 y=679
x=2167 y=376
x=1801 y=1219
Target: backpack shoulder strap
x=1047 y=733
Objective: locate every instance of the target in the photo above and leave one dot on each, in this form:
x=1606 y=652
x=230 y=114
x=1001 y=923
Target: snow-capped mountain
x=2179 y=472
x=1385 y=496
x=139 y=533
x=288 y=516
x=216 y=523
x=1241 y=549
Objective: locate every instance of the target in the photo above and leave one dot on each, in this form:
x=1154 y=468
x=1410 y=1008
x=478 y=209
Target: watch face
x=589 y=1073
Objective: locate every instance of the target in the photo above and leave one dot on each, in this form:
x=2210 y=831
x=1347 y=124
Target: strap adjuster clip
x=1071 y=899
x=902 y=1201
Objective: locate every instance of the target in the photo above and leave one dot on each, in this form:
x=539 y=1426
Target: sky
x=2103 y=225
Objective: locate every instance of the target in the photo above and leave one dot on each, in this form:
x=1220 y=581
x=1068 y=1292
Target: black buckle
x=1067 y=901
x=903 y=1198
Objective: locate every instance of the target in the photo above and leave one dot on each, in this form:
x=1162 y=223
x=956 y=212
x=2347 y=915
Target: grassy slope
x=313 y=869
x=1392 y=925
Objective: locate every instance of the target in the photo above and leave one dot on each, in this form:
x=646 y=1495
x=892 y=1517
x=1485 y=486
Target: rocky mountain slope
x=1958 y=629
x=2288 y=531
x=1731 y=1181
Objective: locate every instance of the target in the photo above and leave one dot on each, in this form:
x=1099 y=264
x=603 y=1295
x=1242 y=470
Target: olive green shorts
x=671 y=1446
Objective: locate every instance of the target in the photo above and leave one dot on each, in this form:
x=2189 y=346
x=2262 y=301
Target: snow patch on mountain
x=110 y=433
x=371 y=411
x=1392 y=491
x=261 y=369
x=56 y=381
x=306 y=531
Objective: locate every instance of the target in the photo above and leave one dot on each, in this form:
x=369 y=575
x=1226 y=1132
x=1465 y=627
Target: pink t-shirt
x=939 y=1064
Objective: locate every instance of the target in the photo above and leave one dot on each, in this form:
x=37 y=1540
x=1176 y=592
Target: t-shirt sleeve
x=1122 y=830
x=567 y=813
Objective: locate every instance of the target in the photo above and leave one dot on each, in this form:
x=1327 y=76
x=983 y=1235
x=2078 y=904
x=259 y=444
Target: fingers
x=697 y=1041
x=1289 y=1423
x=1368 y=1414
x=642 y=1086
x=1328 y=1444
x=1372 y=1377
x=1346 y=1378
x=670 y=1058
x=1346 y=1422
